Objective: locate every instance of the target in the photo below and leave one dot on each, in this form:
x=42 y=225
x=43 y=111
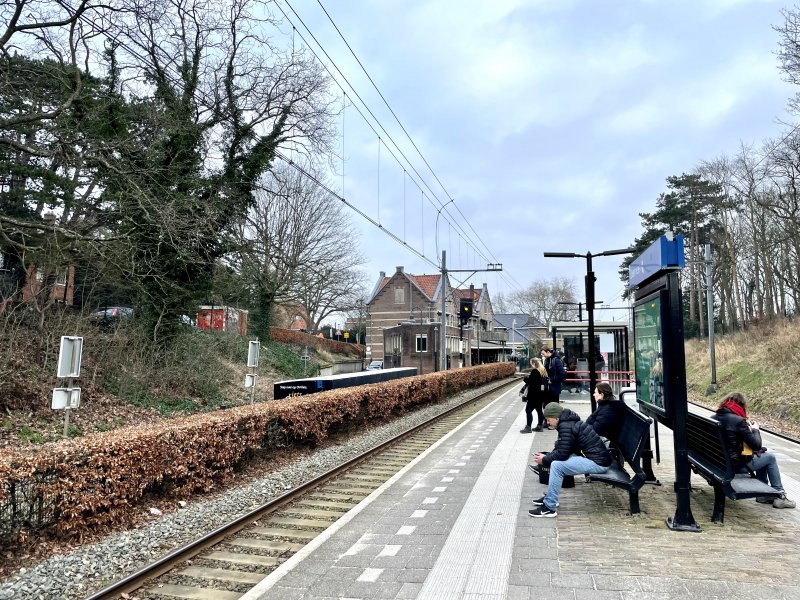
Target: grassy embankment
x=760 y=363
x=124 y=382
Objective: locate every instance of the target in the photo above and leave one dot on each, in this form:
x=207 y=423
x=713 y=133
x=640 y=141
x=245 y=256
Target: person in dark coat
x=534 y=388
x=609 y=414
x=743 y=442
x=556 y=374
x=578 y=450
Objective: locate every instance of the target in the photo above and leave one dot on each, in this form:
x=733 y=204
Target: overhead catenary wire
x=402 y=127
x=380 y=125
x=452 y=225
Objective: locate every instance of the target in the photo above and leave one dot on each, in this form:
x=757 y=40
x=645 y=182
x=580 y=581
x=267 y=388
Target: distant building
x=523 y=332
x=404 y=320
x=413 y=300
x=487 y=342
x=35 y=283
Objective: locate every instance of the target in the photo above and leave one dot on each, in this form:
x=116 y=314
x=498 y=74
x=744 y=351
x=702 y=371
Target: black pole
x=580 y=315
x=590 y=279
x=673 y=352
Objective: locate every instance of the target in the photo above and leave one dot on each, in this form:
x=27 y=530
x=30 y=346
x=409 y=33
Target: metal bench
x=632 y=440
x=708 y=457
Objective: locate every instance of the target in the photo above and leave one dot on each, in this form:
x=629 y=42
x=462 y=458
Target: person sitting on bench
x=608 y=416
x=578 y=450
x=743 y=440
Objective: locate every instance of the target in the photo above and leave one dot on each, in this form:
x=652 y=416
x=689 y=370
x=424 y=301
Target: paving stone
x=593 y=550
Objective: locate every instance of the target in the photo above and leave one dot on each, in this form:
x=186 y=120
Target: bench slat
x=634 y=432
x=708 y=456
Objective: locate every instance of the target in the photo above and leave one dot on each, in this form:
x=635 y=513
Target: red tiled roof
x=426 y=283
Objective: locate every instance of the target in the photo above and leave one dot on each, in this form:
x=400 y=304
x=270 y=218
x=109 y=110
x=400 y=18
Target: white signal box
x=66 y=398
x=253 y=352
x=69 y=356
x=250 y=380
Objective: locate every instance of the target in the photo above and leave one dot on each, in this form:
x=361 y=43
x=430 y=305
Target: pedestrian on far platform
x=533 y=393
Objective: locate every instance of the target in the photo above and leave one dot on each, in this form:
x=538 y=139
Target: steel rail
x=168 y=562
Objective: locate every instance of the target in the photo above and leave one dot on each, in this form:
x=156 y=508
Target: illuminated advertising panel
x=649 y=352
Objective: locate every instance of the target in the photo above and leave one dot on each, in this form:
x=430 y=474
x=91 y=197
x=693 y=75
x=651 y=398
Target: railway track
x=227 y=562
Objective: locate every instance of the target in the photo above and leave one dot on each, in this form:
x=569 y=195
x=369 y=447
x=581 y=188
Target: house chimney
x=399 y=269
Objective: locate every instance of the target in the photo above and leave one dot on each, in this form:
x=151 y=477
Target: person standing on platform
x=578 y=450
x=556 y=374
x=533 y=393
x=743 y=440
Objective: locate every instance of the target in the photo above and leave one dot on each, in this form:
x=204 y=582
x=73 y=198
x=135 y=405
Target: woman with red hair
x=743 y=439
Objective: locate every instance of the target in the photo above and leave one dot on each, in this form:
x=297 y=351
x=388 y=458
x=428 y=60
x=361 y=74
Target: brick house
x=403 y=320
x=35 y=284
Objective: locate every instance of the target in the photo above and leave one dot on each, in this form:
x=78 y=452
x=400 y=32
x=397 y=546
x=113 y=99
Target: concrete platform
x=455 y=524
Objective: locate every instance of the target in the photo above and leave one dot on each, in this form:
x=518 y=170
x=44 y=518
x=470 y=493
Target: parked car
x=375 y=365
x=111 y=313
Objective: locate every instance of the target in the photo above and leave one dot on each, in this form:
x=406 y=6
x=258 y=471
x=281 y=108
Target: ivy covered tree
x=145 y=126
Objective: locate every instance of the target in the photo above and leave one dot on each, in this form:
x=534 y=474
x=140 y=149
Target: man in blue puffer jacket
x=556 y=374
x=578 y=450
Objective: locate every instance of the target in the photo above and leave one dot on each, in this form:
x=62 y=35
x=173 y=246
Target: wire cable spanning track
x=232 y=559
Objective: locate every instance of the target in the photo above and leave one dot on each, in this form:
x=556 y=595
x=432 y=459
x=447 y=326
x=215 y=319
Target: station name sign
x=665 y=254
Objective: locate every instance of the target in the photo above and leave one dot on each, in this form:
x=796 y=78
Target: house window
x=399 y=296
x=422 y=342
x=61 y=278
x=395 y=344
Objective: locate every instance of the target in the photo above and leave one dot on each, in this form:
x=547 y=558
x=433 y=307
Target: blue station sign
x=665 y=254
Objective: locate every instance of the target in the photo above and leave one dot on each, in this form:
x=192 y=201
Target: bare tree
x=541 y=298
x=162 y=147
x=500 y=303
x=298 y=246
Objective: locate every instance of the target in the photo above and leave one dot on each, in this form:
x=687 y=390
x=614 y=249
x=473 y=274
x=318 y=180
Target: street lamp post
x=590 y=302
x=710 y=302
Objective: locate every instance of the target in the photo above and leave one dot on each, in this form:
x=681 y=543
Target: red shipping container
x=222 y=318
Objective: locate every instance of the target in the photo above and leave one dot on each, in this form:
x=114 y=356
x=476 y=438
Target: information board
x=648 y=351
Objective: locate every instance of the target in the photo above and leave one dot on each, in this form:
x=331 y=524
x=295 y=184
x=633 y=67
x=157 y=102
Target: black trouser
x=533 y=403
x=550 y=396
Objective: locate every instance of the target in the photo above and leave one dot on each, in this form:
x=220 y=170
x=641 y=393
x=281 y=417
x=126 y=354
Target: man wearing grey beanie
x=578 y=450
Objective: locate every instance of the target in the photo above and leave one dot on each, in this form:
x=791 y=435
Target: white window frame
x=422 y=340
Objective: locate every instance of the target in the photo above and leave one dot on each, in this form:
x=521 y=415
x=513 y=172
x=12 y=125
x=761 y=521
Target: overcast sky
x=551 y=124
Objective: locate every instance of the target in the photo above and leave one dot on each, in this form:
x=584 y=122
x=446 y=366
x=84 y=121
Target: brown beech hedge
x=93 y=481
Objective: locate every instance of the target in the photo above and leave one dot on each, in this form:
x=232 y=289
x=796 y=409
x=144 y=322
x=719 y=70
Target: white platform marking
x=476 y=557
x=370 y=575
x=390 y=550
x=406 y=530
